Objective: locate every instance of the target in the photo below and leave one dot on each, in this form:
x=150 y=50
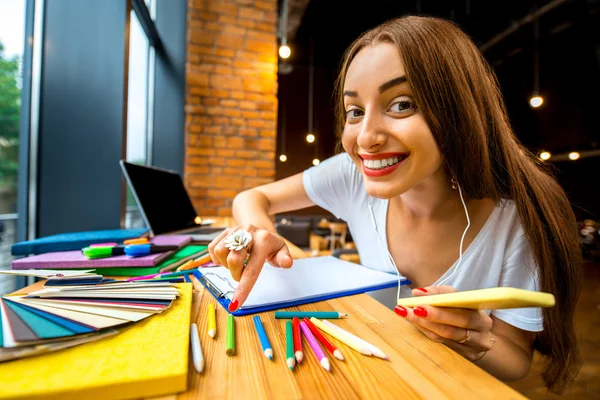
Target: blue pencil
x=262 y=336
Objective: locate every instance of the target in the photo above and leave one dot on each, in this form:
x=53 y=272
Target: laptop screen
x=162 y=198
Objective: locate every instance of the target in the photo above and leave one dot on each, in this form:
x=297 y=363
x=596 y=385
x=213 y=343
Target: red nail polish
x=420 y=311
x=422 y=289
x=401 y=311
x=235 y=303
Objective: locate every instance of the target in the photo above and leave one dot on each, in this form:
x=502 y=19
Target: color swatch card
x=309 y=280
x=146 y=358
x=56 y=314
x=76 y=260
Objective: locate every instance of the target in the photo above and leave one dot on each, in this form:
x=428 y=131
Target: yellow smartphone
x=484 y=299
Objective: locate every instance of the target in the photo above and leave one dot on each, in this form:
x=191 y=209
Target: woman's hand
x=264 y=246
x=465 y=331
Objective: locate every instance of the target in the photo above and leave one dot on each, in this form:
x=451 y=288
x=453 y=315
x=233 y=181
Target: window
x=139 y=114
x=12 y=32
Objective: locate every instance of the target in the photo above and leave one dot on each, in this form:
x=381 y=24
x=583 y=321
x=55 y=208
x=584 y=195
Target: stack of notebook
x=147 y=358
x=77 y=309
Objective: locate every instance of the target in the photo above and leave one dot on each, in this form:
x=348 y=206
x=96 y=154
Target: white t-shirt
x=500 y=254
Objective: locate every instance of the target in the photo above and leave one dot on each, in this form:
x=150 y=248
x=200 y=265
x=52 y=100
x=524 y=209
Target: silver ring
x=238 y=240
x=466 y=338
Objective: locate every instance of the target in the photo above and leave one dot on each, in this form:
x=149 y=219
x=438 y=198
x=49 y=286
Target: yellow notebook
x=483 y=299
x=148 y=358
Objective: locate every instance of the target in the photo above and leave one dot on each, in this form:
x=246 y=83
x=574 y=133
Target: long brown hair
x=459 y=96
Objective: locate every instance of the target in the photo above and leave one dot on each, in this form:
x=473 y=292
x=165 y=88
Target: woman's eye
x=403 y=106
x=353 y=113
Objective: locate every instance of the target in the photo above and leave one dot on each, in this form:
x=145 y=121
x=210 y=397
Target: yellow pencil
x=212 y=324
x=347 y=340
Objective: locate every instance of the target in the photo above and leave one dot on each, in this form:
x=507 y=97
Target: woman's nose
x=372 y=134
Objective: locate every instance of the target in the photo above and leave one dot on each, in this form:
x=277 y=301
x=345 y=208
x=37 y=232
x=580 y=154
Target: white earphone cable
x=462 y=239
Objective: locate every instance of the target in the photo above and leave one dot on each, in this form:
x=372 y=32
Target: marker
x=262 y=336
x=103 y=245
x=140 y=250
x=103 y=252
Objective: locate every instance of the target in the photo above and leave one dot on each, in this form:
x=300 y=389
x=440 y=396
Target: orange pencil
x=136 y=241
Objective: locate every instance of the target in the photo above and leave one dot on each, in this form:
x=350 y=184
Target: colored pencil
x=136 y=241
x=374 y=349
x=197 y=355
x=191 y=264
x=160 y=276
x=314 y=345
x=262 y=336
x=230 y=336
x=309 y=314
x=326 y=342
x=289 y=348
x=203 y=259
x=212 y=321
x=297 y=340
x=347 y=340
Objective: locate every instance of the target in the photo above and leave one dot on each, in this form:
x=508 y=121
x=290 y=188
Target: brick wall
x=231 y=100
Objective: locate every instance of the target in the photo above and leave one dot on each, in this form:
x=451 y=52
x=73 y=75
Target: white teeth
x=379 y=164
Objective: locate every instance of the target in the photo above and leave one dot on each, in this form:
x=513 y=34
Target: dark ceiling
x=569 y=69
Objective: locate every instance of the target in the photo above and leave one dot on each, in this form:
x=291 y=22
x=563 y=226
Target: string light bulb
x=285 y=51
x=310 y=138
x=316 y=162
x=283 y=158
x=574 y=155
x=545 y=155
x=536 y=101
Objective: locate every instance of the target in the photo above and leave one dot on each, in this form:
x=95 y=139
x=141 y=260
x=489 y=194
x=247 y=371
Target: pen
x=197 y=354
x=139 y=250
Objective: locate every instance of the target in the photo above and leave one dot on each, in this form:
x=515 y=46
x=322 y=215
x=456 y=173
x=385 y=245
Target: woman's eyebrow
x=391 y=83
x=382 y=88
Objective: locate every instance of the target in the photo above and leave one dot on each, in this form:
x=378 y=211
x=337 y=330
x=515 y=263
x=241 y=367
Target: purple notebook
x=76 y=260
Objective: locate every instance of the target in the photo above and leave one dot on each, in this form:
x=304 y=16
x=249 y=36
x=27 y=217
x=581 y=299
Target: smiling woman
x=431 y=168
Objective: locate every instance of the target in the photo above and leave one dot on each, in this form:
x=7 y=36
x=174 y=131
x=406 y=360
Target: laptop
x=165 y=204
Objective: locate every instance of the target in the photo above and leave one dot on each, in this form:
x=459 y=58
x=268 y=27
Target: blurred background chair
x=337 y=234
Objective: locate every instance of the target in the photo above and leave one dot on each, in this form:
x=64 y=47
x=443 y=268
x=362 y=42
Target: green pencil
x=309 y=314
x=289 y=348
x=230 y=336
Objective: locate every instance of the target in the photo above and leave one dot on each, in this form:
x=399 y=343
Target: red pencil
x=297 y=340
x=326 y=342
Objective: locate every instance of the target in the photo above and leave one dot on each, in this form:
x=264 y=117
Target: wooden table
x=418 y=367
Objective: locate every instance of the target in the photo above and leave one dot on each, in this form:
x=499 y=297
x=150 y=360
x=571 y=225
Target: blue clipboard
x=224 y=301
